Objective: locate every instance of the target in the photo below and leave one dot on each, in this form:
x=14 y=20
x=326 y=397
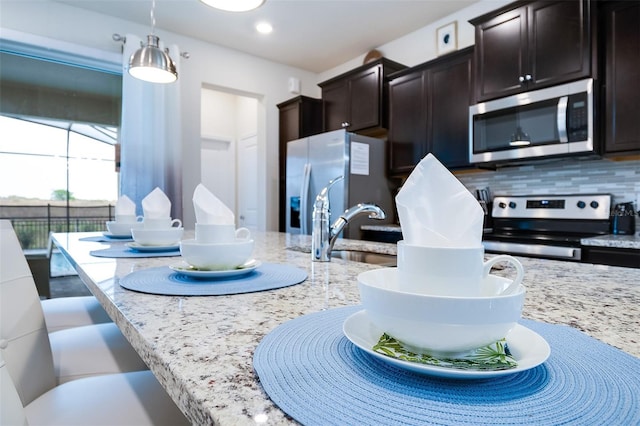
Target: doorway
x=247 y=179
x=229 y=152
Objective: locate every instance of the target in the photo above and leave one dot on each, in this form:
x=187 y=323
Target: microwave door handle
x=562 y=118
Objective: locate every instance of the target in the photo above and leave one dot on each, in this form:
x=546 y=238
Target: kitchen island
x=201 y=348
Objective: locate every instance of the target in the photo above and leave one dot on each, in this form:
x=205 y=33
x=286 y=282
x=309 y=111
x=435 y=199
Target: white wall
x=218 y=114
x=208 y=65
x=420 y=46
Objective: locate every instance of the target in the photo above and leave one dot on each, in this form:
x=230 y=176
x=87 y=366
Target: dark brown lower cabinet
x=611 y=256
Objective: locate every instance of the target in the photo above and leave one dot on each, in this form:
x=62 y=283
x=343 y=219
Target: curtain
x=150 y=134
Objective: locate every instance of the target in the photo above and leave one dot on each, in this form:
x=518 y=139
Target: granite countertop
x=201 y=348
x=614 y=241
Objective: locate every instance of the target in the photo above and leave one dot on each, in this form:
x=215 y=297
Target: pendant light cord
x=153 y=17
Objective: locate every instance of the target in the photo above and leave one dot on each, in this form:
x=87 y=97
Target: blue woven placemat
x=318 y=377
x=125 y=251
x=163 y=280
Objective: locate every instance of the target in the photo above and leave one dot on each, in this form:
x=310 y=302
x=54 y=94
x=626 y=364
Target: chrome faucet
x=323 y=235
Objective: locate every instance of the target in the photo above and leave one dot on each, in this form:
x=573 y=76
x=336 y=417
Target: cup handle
x=176 y=221
x=488 y=265
x=243 y=233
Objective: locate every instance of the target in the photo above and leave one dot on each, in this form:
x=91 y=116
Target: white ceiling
x=315 y=35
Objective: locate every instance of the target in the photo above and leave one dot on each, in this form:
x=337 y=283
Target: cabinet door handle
x=526 y=77
x=345 y=124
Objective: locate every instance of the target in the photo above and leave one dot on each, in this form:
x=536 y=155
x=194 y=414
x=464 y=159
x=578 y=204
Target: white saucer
x=528 y=348
x=139 y=247
x=110 y=235
x=190 y=271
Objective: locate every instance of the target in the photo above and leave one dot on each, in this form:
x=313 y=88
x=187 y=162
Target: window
x=59 y=129
x=42 y=158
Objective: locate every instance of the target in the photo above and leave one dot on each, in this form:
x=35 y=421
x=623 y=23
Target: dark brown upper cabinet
x=620 y=23
x=529 y=45
x=299 y=117
x=407 y=137
x=429 y=113
x=357 y=100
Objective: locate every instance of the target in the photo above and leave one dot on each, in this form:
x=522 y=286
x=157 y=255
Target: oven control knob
x=502 y=205
x=512 y=205
x=594 y=204
x=581 y=204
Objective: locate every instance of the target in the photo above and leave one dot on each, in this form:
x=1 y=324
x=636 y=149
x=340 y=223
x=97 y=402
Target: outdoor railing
x=34 y=223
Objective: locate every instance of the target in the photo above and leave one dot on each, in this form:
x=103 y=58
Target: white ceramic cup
x=210 y=233
x=128 y=218
x=161 y=223
x=448 y=271
x=157 y=237
x=122 y=229
x=216 y=257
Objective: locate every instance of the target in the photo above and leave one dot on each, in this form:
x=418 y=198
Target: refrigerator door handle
x=304 y=198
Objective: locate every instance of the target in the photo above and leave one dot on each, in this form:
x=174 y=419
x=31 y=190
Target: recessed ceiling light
x=264 y=27
x=234 y=5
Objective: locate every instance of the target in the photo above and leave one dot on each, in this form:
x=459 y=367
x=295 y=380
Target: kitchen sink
x=365 y=257
x=369 y=257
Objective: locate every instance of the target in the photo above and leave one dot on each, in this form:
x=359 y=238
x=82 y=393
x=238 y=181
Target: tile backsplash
x=567 y=176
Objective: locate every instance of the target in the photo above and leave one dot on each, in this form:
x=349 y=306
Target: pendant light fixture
x=150 y=63
x=234 y=5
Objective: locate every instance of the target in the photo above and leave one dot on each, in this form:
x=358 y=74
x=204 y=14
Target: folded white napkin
x=209 y=209
x=125 y=207
x=436 y=210
x=156 y=205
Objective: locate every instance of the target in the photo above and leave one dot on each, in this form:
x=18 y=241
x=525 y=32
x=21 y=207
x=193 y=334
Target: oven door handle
x=561 y=119
x=534 y=250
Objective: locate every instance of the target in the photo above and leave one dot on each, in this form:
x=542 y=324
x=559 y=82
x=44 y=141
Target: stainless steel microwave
x=547 y=122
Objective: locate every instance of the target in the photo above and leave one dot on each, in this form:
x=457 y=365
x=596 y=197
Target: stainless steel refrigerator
x=314 y=161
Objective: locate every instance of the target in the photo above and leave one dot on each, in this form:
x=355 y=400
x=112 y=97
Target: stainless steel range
x=547 y=226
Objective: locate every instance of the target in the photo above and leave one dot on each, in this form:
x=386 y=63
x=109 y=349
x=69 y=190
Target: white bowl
x=122 y=228
x=439 y=325
x=216 y=256
x=157 y=237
